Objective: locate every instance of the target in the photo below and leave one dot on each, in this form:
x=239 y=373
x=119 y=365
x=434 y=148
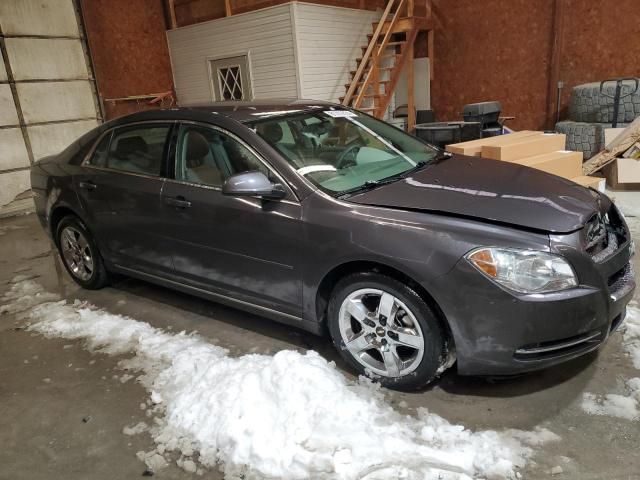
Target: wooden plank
x=554 y=70
x=227 y=8
x=411 y=106
x=172 y=14
x=430 y=53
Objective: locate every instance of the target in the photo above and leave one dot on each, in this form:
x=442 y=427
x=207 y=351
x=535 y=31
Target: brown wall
x=492 y=50
x=601 y=40
x=129 y=50
x=501 y=50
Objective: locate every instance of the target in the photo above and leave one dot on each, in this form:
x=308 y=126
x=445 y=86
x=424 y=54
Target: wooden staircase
x=389 y=51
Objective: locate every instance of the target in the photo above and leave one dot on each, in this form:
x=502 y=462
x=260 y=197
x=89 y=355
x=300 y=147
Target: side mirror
x=252 y=184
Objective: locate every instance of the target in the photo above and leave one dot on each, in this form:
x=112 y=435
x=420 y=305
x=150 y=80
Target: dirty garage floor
x=62 y=409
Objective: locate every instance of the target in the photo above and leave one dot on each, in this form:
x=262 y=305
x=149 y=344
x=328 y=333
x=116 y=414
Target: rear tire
x=385 y=330
x=80 y=254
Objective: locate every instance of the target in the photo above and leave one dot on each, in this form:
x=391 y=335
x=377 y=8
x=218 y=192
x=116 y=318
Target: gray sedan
x=328 y=219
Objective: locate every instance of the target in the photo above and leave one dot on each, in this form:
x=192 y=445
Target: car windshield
x=342 y=151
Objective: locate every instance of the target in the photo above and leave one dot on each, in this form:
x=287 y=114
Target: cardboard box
x=474 y=147
x=526 y=147
x=610 y=135
x=592 y=182
x=623 y=174
x=563 y=163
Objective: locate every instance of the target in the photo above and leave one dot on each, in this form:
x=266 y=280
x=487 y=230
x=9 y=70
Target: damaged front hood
x=492 y=190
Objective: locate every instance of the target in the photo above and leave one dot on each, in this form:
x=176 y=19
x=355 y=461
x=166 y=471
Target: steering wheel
x=348 y=157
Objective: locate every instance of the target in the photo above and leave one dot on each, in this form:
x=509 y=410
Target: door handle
x=87 y=185
x=178 y=202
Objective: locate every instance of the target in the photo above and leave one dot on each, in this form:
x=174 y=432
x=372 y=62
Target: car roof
x=245 y=111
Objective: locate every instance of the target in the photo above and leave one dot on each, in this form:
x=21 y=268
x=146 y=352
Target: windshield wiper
x=368 y=185
x=371 y=184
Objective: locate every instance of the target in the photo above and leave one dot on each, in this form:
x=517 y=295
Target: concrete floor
x=62 y=412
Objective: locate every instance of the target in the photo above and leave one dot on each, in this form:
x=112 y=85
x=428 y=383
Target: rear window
x=137 y=149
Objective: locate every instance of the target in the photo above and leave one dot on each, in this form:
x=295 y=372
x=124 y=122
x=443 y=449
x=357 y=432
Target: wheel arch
x=57 y=214
x=328 y=282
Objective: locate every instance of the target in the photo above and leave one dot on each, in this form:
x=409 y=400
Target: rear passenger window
x=138 y=150
x=99 y=158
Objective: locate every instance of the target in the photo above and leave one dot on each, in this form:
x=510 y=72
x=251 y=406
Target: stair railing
x=365 y=58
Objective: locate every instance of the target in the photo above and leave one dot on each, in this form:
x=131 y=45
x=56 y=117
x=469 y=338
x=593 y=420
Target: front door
x=246 y=248
x=120 y=188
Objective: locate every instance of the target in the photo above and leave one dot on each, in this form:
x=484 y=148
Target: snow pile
x=288 y=416
x=615 y=405
x=23 y=295
x=625 y=405
x=631 y=333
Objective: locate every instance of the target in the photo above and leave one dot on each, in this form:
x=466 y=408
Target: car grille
x=558 y=348
x=621 y=282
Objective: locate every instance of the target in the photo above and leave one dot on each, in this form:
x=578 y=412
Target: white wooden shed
x=292 y=50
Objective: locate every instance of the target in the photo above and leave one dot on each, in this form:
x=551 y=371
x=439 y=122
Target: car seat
x=272 y=133
x=199 y=164
x=132 y=154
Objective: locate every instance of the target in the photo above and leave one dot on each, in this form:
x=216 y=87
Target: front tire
x=385 y=330
x=80 y=255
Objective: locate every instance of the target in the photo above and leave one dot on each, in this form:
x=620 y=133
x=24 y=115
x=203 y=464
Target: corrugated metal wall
x=46 y=95
x=265 y=35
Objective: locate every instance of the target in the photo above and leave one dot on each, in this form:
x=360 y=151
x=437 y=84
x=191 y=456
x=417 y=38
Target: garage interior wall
x=497 y=50
x=129 y=51
x=46 y=93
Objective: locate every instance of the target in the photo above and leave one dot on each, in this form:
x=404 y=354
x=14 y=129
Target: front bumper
x=497 y=332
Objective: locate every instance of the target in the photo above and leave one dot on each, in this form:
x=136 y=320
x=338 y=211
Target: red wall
x=601 y=40
x=501 y=50
x=129 y=50
x=492 y=50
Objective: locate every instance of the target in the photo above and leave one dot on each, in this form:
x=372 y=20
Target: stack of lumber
x=539 y=150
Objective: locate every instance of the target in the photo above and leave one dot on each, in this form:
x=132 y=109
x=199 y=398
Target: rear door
x=246 y=248
x=120 y=190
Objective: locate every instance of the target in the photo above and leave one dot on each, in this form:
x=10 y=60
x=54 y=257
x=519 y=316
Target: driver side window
x=206 y=156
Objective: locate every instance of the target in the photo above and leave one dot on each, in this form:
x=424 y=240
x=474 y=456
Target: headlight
x=525 y=271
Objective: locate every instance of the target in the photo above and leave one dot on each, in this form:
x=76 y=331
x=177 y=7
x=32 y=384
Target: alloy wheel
x=381 y=332
x=76 y=253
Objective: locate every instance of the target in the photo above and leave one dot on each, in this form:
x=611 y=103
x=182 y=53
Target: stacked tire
x=591 y=112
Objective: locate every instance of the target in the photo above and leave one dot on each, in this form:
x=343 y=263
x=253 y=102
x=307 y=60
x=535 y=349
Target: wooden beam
x=227 y=8
x=430 y=49
x=554 y=68
x=411 y=104
x=410 y=8
x=172 y=14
